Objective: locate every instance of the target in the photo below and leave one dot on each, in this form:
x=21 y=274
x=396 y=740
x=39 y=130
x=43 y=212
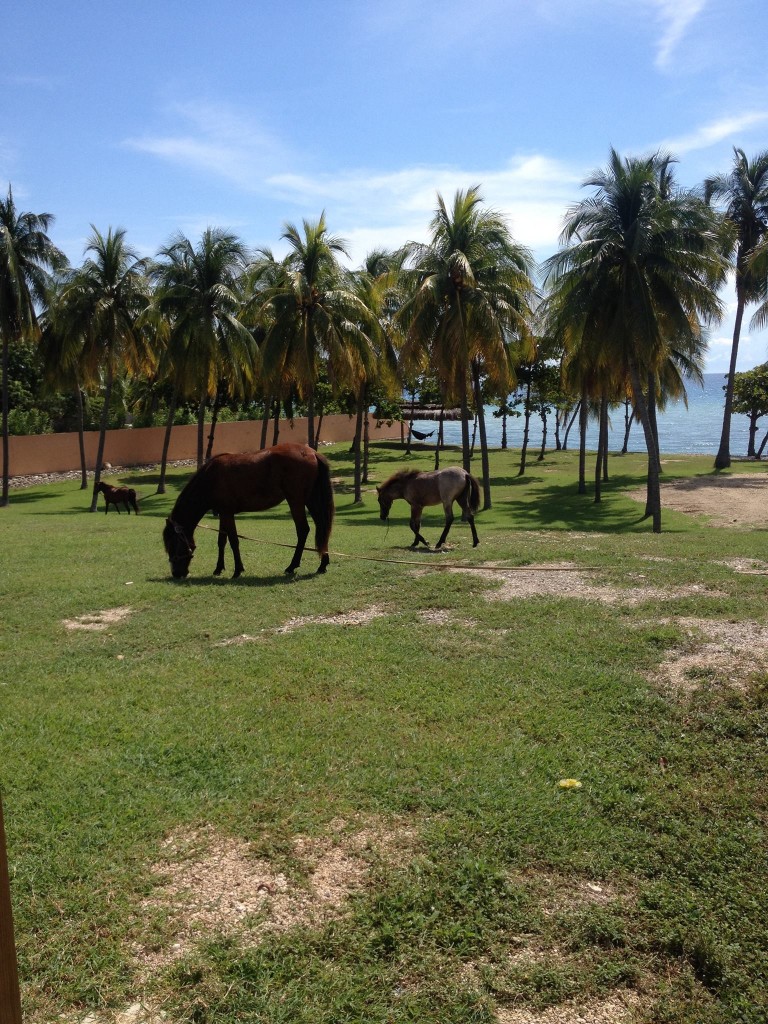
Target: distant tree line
x=210 y=329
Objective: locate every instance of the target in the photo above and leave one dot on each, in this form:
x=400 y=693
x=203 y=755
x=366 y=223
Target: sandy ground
x=739 y=498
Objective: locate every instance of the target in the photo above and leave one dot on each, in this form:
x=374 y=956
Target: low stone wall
x=142 y=446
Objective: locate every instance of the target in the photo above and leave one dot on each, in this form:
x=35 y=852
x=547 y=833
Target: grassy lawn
x=336 y=799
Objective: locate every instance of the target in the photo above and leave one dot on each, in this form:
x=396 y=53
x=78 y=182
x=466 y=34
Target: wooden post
x=10 y=999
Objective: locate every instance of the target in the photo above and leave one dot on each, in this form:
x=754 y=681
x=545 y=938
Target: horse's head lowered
x=385 y=501
x=180 y=548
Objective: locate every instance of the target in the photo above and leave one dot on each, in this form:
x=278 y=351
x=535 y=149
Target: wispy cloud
x=368 y=205
x=215 y=139
x=532 y=192
x=714 y=131
x=676 y=17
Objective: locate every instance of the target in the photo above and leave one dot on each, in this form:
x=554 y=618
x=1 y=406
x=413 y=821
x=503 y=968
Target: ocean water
x=694 y=430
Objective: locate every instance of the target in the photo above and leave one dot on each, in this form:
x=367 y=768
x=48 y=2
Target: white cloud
x=715 y=131
x=215 y=139
x=532 y=192
x=676 y=17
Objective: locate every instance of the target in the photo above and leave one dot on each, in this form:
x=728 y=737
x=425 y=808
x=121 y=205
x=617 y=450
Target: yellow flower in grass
x=569 y=784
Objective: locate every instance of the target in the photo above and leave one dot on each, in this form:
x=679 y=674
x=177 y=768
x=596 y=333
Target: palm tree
x=198 y=299
x=470 y=293
x=103 y=301
x=311 y=313
x=62 y=348
x=26 y=256
x=639 y=271
x=744 y=193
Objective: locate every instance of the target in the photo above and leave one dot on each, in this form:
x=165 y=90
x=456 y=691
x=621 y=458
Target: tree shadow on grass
x=561 y=507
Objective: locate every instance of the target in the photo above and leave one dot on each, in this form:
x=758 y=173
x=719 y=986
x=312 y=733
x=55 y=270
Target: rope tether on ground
x=423 y=565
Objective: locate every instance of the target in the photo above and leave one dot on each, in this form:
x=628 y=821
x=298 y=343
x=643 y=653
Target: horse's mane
x=401 y=474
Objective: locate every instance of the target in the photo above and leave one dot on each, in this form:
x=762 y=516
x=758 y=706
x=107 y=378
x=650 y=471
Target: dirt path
x=740 y=499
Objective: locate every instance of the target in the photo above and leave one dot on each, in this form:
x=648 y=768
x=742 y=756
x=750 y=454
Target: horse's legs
x=466 y=511
x=302 y=532
x=222 y=541
x=448 y=521
x=415 y=524
x=471 y=521
x=228 y=531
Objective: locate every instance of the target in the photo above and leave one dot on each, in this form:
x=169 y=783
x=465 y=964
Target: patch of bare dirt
x=563 y=579
x=558 y=893
x=618 y=1008
x=98 y=621
x=720 y=651
x=748 y=566
x=358 y=617
x=443 y=617
x=208 y=883
x=739 y=499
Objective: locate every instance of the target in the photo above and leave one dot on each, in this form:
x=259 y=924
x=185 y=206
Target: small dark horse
x=117 y=496
x=253 y=482
x=442 y=487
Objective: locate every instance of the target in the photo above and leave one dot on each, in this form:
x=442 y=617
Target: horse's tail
x=321 y=504
x=134 y=502
x=473 y=493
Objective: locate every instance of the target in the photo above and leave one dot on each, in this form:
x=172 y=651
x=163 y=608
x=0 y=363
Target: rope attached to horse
x=423 y=565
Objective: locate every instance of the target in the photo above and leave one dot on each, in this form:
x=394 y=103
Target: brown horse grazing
x=253 y=482
x=442 y=487
x=117 y=496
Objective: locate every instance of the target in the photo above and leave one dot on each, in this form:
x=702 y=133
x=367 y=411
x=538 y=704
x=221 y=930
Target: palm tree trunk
x=602 y=450
x=81 y=438
x=504 y=427
x=167 y=442
x=276 y=431
x=753 y=417
x=366 y=435
x=629 y=419
x=439 y=445
x=569 y=424
x=200 y=430
x=723 y=457
x=102 y=434
x=583 y=418
x=526 y=426
x=652 y=418
x=214 y=421
x=653 y=499
x=466 y=459
x=265 y=421
x=410 y=421
x=480 y=412
x=311 y=419
x=543 y=450
x=10 y=995
x=6 y=447
x=357 y=446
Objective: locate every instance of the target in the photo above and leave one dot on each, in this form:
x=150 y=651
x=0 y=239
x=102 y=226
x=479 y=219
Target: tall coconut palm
x=743 y=191
x=639 y=269
x=470 y=293
x=26 y=257
x=198 y=297
x=103 y=300
x=311 y=314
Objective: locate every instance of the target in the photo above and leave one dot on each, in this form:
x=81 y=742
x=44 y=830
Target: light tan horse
x=442 y=487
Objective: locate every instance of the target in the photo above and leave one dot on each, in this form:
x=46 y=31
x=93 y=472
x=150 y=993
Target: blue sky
x=166 y=115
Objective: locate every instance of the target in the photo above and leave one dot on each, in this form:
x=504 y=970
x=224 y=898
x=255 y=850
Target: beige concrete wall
x=58 y=453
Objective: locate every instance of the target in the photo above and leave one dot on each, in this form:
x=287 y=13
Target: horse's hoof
x=236 y=573
x=475 y=543
x=290 y=571
x=218 y=572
